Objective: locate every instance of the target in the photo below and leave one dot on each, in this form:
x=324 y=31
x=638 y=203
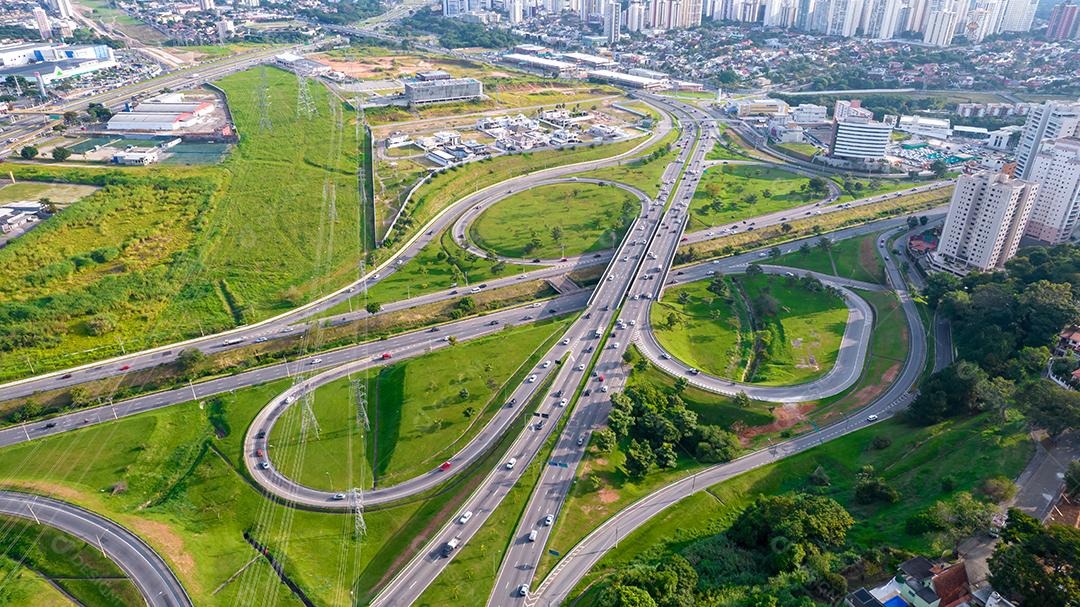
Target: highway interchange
x=648 y=250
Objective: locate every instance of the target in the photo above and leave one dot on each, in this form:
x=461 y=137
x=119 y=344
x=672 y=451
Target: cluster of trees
x=656 y=422
x=346 y=13
x=1036 y=564
x=1003 y=326
x=779 y=552
x=454 y=33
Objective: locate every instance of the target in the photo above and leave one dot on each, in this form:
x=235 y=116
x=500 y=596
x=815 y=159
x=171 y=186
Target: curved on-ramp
x=850 y=358
x=148 y=571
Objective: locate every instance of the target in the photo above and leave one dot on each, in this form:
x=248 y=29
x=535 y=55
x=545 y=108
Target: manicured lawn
x=806 y=149
x=732 y=192
x=857 y=189
x=855 y=258
x=24 y=587
x=175 y=477
x=804 y=330
x=706 y=331
x=415 y=409
x=437 y=266
x=60 y=193
x=645 y=170
x=451 y=185
x=729 y=147
x=917 y=464
x=36 y=550
x=589 y=218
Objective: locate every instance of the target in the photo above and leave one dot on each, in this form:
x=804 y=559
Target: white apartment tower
x=940 y=28
x=1019 y=15
x=987 y=217
x=1056 y=210
x=882 y=22
x=62 y=8
x=635 y=16
x=612 y=20
x=207 y=5
x=1051 y=120
x=843 y=17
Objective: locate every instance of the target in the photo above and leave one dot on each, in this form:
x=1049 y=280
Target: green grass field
x=806 y=149
x=588 y=217
x=31 y=550
x=854 y=258
x=645 y=170
x=166 y=253
x=917 y=463
x=416 y=411
x=729 y=147
x=175 y=477
x=732 y=192
x=805 y=330
x=706 y=331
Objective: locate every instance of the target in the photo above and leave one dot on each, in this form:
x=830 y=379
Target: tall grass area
x=162 y=254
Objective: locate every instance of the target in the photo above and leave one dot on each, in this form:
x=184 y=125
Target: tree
x=1049 y=407
x=604 y=439
x=61 y=154
x=939 y=168
x=557 y=233
x=818 y=185
x=1072 y=479
x=463 y=394
x=1039 y=568
x=791 y=525
x=71 y=117
x=824 y=243
x=190 y=358
x=373 y=307
x=450 y=339
x=666 y=457
x=639 y=458
x=28 y=152
x=715 y=445
x=681 y=384
x=804 y=249
x=753 y=269
x=742 y=400
x=775 y=252
x=912 y=222
x=785 y=227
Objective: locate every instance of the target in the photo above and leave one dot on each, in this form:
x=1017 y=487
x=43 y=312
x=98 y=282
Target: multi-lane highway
x=155 y=581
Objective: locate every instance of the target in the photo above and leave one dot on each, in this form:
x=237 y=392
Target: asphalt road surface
x=155 y=581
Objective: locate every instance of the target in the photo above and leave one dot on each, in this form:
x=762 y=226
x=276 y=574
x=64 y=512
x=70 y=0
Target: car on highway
x=566 y=341
x=260 y=340
x=464 y=518
x=545 y=364
x=386 y=355
x=581 y=367
x=548 y=520
x=531 y=379
x=338 y=497
x=260 y=453
x=66 y=376
x=603 y=388
x=581 y=439
x=871 y=418
x=315 y=361
x=562 y=402
x=264 y=465
x=532 y=535
x=125 y=367
x=523 y=590
x=443 y=467
x=474 y=290
x=510 y=463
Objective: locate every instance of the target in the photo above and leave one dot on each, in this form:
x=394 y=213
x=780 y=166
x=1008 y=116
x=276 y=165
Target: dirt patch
x=391 y=66
x=784 y=417
x=1066 y=512
x=607 y=495
x=869 y=393
x=168 y=544
x=50 y=489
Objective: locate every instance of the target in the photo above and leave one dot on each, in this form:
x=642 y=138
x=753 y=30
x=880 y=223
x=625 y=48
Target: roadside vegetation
x=557 y=220
x=854 y=258
x=732 y=192
x=644 y=171
x=729 y=147
x=420 y=411
x=706 y=325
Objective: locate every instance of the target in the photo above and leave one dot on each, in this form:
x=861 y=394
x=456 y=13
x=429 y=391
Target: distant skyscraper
x=62 y=8
x=612 y=21
x=984 y=19
x=940 y=28
x=1019 y=15
x=691 y=13
x=635 y=16
x=987 y=217
x=1064 y=21
x=454 y=7
x=516 y=10
x=1056 y=210
x=42 y=21
x=843 y=17
x=1051 y=120
x=882 y=23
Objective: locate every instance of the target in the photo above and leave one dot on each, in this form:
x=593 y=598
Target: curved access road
x=148 y=571
x=465 y=220
x=275 y=326
x=569 y=571
x=850 y=357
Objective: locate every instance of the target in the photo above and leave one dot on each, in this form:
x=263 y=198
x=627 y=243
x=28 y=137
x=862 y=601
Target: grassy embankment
x=729 y=193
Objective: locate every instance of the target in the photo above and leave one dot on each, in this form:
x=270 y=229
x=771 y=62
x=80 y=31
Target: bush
x=999 y=489
x=881 y=442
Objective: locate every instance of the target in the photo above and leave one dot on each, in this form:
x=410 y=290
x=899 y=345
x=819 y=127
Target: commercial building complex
x=52 y=62
x=987 y=217
x=161 y=114
x=860 y=138
x=420 y=91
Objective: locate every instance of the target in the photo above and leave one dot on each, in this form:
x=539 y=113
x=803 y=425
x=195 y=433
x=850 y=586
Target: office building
x=860 y=138
x=612 y=21
x=987 y=217
x=1064 y=21
x=1018 y=15
x=844 y=109
x=808 y=113
x=1051 y=120
x=1056 y=210
x=42 y=21
x=439 y=90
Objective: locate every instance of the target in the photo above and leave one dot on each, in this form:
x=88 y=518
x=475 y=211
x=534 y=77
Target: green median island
x=760 y=329
x=556 y=220
x=420 y=411
x=729 y=193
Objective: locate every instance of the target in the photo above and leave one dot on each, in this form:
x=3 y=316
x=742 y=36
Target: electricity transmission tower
x=308 y=421
x=265 y=123
x=305 y=104
x=356 y=499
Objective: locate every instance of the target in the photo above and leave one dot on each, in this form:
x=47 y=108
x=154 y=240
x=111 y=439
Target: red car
x=444 y=466
x=125 y=367
x=259 y=453
x=386 y=355
x=600 y=378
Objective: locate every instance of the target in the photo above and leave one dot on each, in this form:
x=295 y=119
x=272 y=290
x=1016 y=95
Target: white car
x=566 y=341
x=548 y=520
x=474 y=290
x=603 y=388
x=531 y=379
x=523 y=590
x=510 y=463
x=581 y=367
x=562 y=403
x=315 y=361
x=464 y=518
x=871 y=418
x=546 y=364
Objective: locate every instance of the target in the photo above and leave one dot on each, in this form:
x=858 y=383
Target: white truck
x=449 y=547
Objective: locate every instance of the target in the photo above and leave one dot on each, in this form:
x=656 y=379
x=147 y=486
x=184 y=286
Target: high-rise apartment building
x=207 y=5
x=42 y=21
x=843 y=17
x=987 y=217
x=1019 y=14
x=635 y=16
x=844 y=109
x=612 y=20
x=1064 y=21
x=1056 y=210
x=62 y=8
x=882 y=21
x=1051 y=120
x=515 y=10
x=940 y=28
x=983 y=19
